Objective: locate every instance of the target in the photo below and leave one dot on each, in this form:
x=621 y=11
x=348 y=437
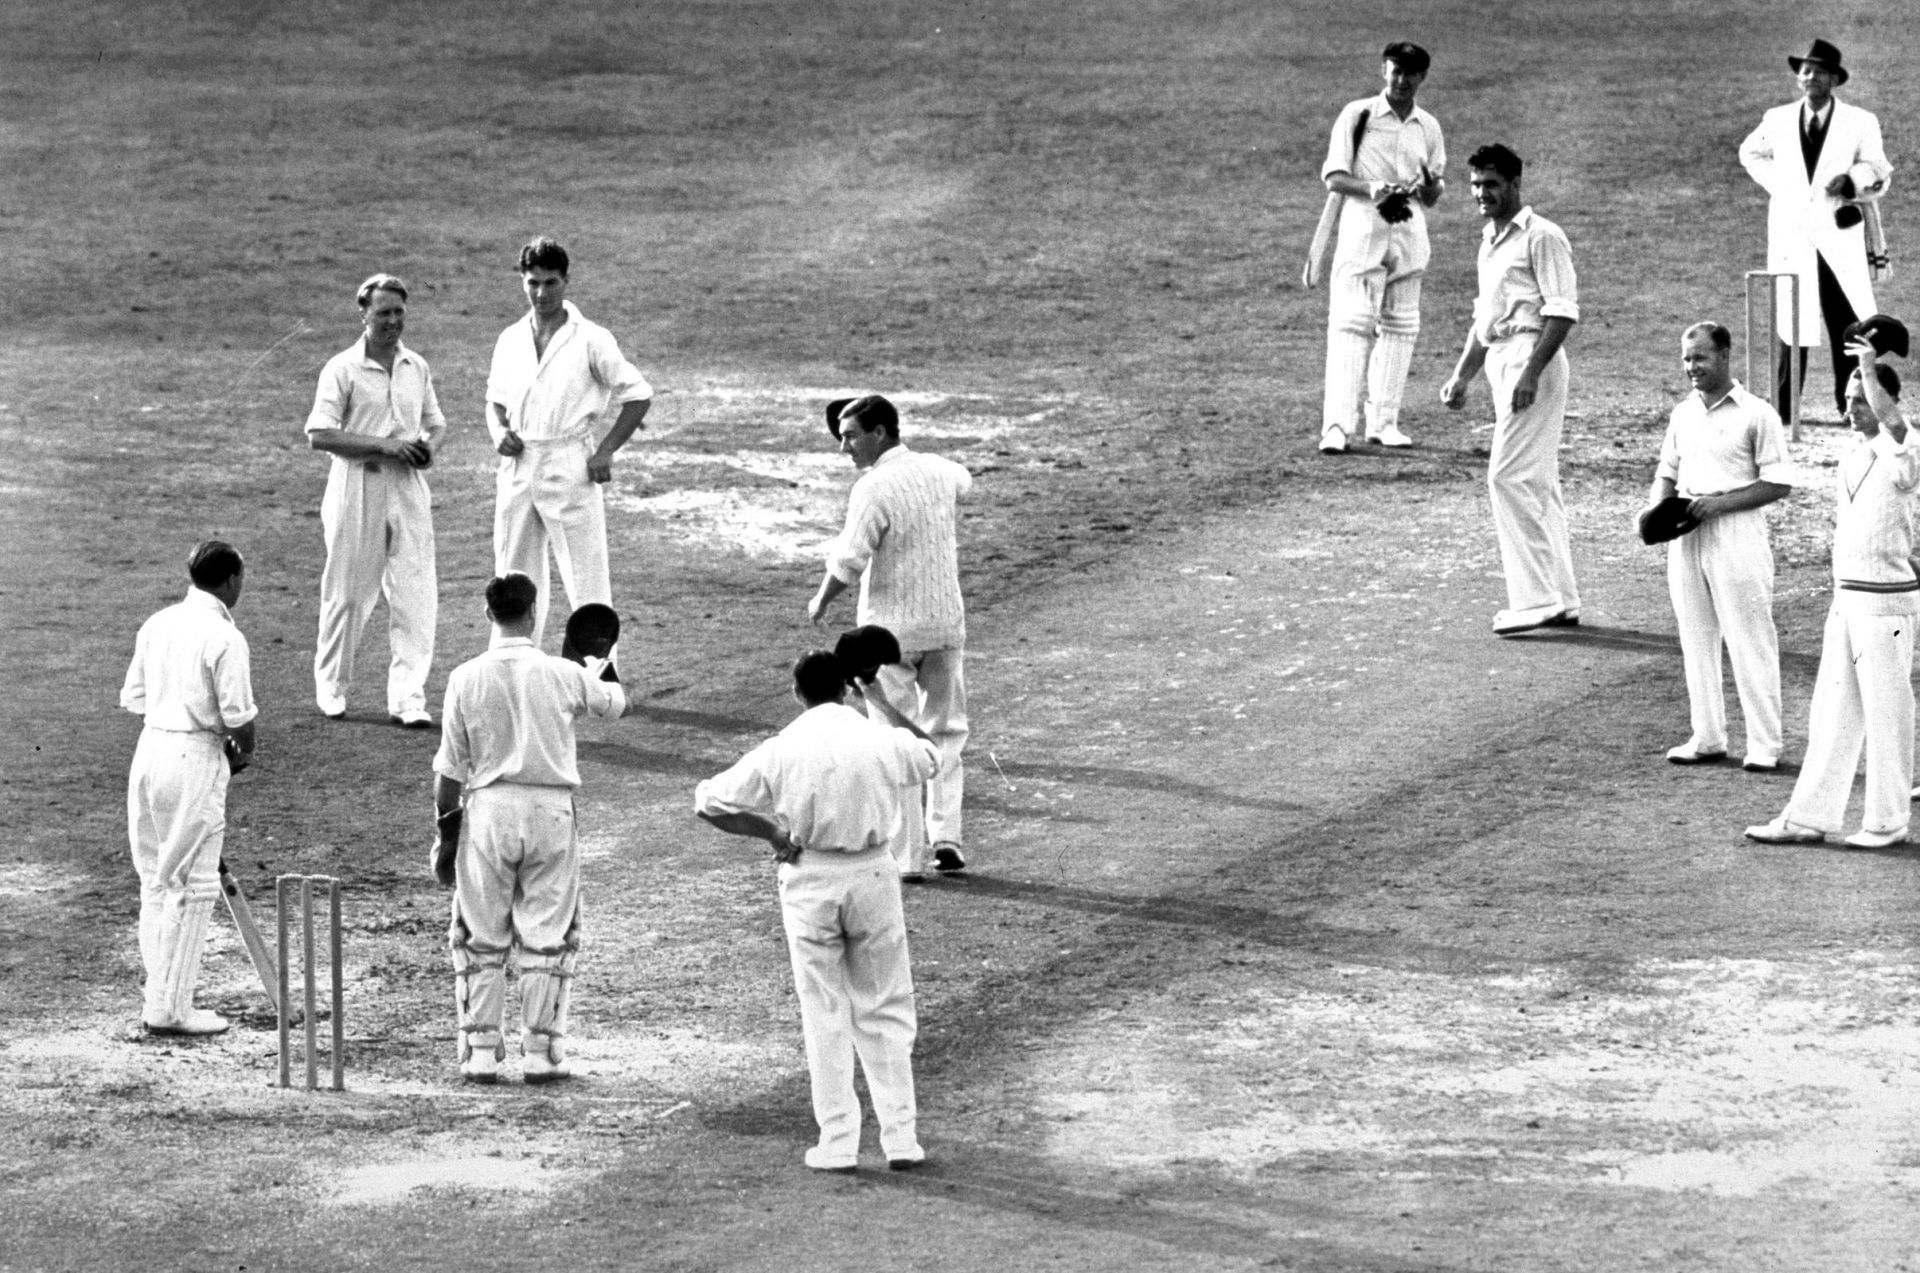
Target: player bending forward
x=830 y=792
x=506 y=741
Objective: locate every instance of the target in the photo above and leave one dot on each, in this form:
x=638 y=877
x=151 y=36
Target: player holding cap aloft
x=831 y=793
x=190 y=679
x=507 y=744
x=1384 y=168
x=1726 y=453
x=1863 y=692
x=901 y=542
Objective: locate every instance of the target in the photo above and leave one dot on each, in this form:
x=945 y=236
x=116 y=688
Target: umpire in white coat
x=1824 y=169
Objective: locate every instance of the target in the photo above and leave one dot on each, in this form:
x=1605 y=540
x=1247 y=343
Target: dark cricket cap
x=1887 y=334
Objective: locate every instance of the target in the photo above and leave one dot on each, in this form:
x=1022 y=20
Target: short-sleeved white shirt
x=191 y=669
x=557 y=394
x=509 y=713
x=1724 y=445
x=360 y=396
x=833 y=780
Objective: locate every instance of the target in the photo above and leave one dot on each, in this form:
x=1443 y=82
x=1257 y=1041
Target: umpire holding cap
x=901 y=545
x=1824 y=169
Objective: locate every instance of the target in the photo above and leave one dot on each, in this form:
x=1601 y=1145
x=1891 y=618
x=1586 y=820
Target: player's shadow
x=1606 y=638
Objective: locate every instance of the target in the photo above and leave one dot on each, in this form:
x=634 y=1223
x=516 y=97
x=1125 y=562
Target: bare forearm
x=629 y=422
x=753 y=825
x=1553 y=334
x=1756 y=495
x=446 y=794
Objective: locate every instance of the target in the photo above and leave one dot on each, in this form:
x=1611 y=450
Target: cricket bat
x=250 y=934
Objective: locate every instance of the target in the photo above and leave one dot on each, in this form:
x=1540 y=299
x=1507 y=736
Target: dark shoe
x=947 y=858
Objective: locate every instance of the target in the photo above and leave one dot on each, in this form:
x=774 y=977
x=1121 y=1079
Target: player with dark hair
x=375 y=412
x=552 y=376
x=901 y=543
x=1724 y=452
x=507 y=747
x=1527 y=305
x=1385 y=166
x=831 y=793
x=191 y=681
x=1863 y=692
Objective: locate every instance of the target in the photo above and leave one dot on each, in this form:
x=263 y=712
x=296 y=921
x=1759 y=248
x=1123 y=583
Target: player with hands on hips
x=831 y=794
x=553 y=374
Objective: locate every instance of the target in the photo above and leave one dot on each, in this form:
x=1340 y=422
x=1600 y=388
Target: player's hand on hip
x=510 y=444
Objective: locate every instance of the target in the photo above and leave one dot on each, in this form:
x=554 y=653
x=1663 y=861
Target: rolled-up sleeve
x=621 y=378
x=233 y=681
x=743 y=788
x=1552 y=261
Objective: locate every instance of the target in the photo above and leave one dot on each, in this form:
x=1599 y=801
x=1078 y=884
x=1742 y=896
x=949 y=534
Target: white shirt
x=901 y=542
x=190 y=669
x=1873 y=517
x=360 y=396
x=1731 y=443
x=1392 y=149
x=508 y=717
x=1526 y=277
x=833 y=780
x=557 y=394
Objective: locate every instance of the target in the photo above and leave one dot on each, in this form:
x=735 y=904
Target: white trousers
x=1720 y=577
x=378 y=522
x=543 y=497
x=176 y=828
x=1523 y=479
x=929 y=688
x=847 y=937
x=1373 y=321
x=517 y=891
x=1862 y=698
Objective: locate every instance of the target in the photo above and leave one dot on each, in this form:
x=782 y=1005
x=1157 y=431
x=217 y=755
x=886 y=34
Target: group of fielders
x=864 y=789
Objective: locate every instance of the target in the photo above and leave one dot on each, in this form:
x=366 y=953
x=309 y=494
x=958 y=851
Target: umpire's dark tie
x=1813 y=135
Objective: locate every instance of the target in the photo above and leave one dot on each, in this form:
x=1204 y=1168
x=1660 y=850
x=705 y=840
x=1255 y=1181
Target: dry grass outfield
x=1313 y=928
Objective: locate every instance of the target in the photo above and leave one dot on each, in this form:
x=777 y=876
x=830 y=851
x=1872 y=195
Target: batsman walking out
x=1386 y=164
x=191 y=681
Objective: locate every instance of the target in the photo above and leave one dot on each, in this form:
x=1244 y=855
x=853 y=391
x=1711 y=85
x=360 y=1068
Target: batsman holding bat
x=1385 y=166
x=190 y=680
